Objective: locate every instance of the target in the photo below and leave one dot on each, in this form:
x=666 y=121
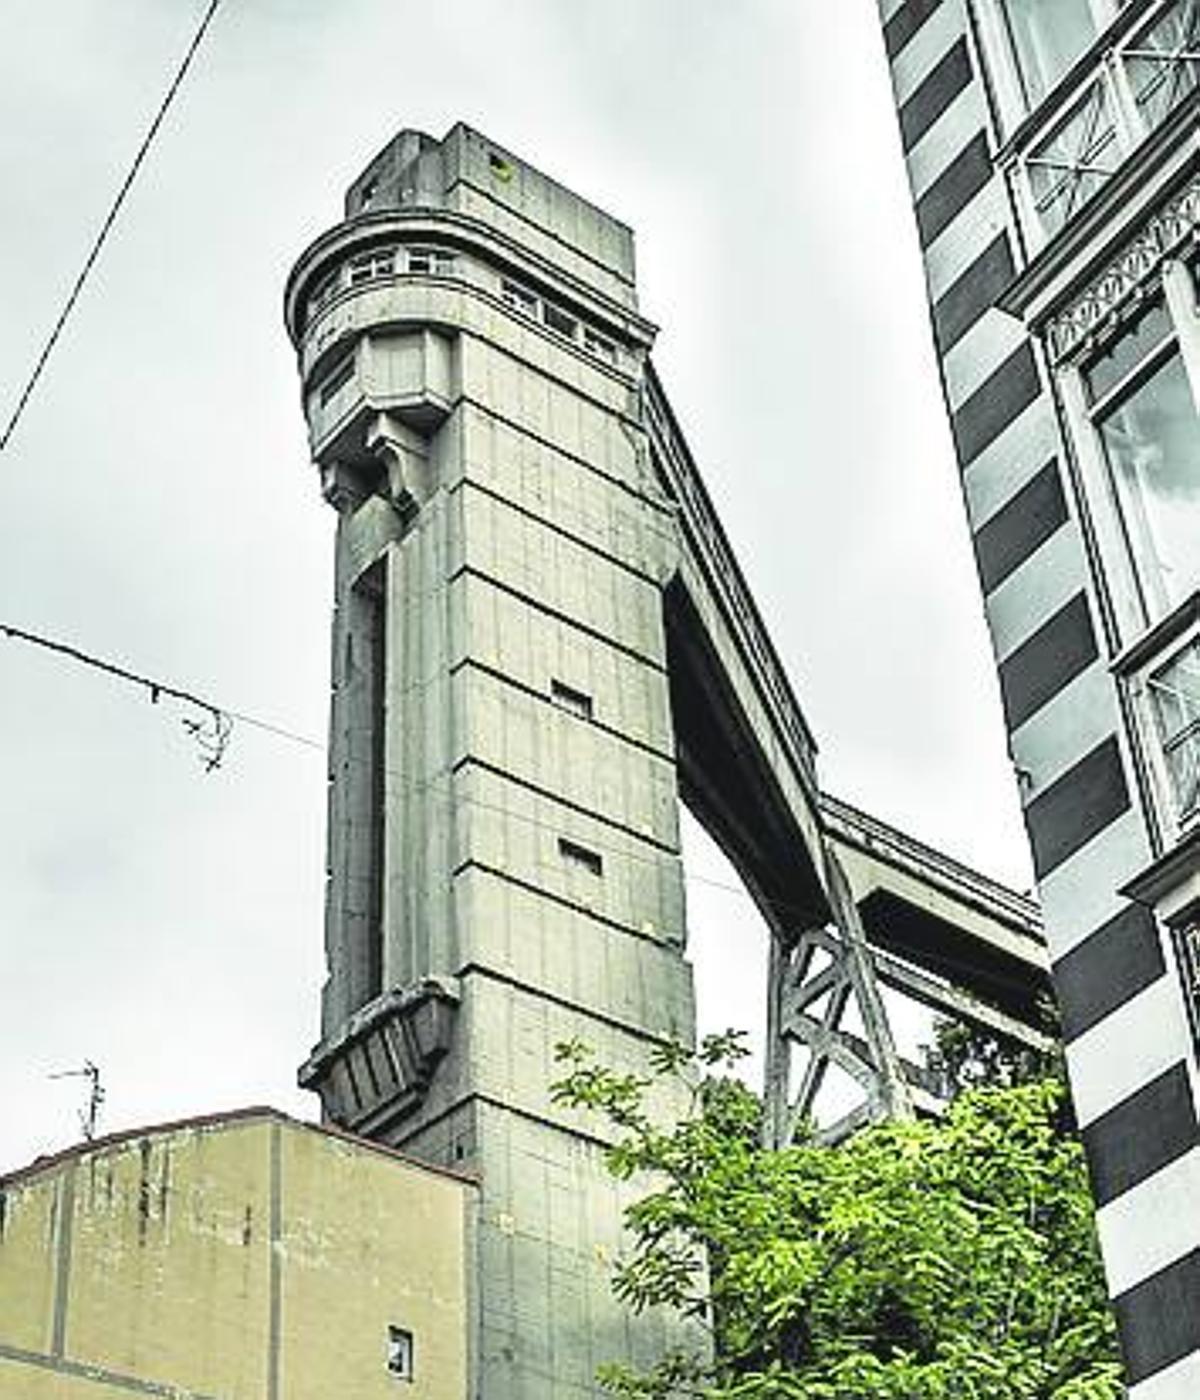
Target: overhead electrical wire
x=215 y=742
x=107 y=226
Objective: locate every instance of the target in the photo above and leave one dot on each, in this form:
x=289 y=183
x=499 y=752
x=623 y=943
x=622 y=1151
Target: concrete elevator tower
x=504 y=867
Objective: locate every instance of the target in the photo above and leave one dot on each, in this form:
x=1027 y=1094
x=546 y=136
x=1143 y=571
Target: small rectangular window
x=371 y=265
x=400 y=1353
x=580 y=856
x=337 y=380
x=519 y=299
x=559 y=322
x=431 y=260
x=597 y=345
x=571 y=699
x=324 y=292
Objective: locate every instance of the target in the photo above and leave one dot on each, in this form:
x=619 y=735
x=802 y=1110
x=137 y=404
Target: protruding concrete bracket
x=342 y=486
x=404 y=455
x=378 y=1069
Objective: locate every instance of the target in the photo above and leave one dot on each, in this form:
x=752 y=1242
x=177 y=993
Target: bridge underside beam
x=728 y=783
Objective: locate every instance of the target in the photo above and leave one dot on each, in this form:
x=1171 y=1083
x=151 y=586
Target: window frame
x=1150 y=636
x=439 y=262
x=1103 y=13
x=1137 y=669
x=373 y=265
x=1120 y=45
x=401 y=1346
x=1002 y=51
x=1185 y=945
x=1135 y=612
x=520 y=299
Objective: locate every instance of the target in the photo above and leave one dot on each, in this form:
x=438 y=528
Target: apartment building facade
x=1053 y=156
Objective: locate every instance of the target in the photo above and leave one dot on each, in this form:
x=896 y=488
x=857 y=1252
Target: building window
x=337 y=380
x=1091 y=128
x=1187 y=953
x=1047 y=36
x=598 y=346
x=559 y=322
x=1173 y=690
x=400 y=1353
x=519 y=299
x=1163 y=62
x=1071 y=162
x=368 y=266
x=1143 y=407
x=323 y=293
x=580 y=857
x=431 y=261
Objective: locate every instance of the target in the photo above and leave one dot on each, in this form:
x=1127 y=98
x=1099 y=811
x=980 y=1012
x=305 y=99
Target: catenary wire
x=107 y=226
x=158 y=689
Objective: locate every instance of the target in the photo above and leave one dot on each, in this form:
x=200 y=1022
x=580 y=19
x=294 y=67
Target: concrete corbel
x=404 y=455
x=342 y=486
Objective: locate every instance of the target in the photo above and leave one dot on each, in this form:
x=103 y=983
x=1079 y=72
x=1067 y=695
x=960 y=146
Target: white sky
x=159 y=507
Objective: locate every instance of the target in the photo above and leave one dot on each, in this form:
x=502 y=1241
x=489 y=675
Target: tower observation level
x=541 y=642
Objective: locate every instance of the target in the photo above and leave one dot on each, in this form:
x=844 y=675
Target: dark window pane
x=1128 y=350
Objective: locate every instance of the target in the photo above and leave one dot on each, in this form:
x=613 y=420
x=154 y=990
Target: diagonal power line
x=107 y=226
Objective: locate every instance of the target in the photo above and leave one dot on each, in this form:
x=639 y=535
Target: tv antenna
x=89 y=1116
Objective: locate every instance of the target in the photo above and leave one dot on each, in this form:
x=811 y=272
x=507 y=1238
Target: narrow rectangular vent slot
x=571 y=699
x=580 y=856
x=400 y=1353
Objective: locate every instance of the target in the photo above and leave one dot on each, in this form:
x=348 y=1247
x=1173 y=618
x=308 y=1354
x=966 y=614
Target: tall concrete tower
x=504 y=868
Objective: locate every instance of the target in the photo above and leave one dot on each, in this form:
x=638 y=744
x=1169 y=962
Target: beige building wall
x=235 y=1257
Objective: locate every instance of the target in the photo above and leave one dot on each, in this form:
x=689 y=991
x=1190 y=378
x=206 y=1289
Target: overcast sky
x=160 y=508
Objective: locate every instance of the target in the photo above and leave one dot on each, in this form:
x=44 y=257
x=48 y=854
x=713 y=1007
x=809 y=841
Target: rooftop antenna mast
x=89 y=1116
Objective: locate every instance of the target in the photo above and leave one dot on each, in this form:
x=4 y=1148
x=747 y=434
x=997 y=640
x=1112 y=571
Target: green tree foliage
x=949 y=1260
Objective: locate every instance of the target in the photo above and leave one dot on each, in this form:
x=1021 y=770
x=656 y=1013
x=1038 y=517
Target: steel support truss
x=819 y=978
